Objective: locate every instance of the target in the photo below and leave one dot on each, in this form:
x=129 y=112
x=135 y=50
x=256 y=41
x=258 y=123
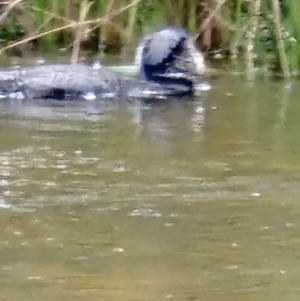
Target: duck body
x=166 y=63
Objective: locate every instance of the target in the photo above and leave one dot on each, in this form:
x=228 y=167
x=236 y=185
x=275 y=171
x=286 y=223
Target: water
x=198 y=201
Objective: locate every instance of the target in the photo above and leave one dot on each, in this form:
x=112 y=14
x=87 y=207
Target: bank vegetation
x=262 y=34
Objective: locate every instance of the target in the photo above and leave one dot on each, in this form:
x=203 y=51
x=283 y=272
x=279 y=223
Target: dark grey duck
x=167 y=60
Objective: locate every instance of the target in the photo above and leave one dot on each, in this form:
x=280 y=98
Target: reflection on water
x=199 y=201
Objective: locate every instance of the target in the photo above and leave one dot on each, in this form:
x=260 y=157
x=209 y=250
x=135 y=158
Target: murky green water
x=198 y=202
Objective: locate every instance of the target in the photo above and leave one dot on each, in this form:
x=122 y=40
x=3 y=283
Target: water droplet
x=120 y=250
x=203 y=87
x=288 y=86
x=120 y=168
x=16 y=95
x=61 y=166
x=81 y=258
x=199 y=110
x=264 y=228
x=255 y=194
x=232 y=267
x=40 y=61
x=135 y=212
x=34 y=277
x=96 y=65
x=4 y=182
x=108 y=95
x=89 y=96
x=5 y=205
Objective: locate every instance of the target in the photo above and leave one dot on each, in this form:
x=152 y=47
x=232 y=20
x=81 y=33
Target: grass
x=261 y=33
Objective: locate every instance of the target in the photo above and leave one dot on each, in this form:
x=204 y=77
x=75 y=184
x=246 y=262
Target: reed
x=263 y=33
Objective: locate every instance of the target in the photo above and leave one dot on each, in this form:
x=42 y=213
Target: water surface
x=198 y=201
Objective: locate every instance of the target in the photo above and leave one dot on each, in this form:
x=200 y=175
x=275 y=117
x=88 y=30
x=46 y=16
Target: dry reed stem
x=9 y=7
x=250 y=70
x=103 y=29
x=131 y=21
x=84 y=9
x=18 y=11
x=280 y=42
x=51 y=14
x=109 y=6
x=230 y=26
x=99 y=21
x=211 y=15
